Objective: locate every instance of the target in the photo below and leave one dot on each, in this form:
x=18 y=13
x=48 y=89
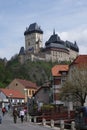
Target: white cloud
x=68 y=17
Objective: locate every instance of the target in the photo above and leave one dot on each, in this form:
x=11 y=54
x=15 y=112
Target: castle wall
x=57 y=55
x=72 y=54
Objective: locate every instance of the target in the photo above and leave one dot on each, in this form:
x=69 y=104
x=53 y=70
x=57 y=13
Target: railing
x=52 y=123
x=56 y=116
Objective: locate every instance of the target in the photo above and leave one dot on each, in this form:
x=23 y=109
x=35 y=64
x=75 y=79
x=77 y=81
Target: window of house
x=32 y=92
x=29 y=92
x=63 y=79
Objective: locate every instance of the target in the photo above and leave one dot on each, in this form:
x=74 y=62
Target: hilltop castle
x=55 y=49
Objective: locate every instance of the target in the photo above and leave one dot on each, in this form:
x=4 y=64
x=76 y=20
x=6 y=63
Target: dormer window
x=63 y=73
x=16 y=84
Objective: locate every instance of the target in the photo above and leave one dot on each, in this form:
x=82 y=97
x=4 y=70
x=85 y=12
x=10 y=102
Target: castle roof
x=56 y=45
x=22 y=51
x=72 y=46
x=55 y=39
x=33 y=28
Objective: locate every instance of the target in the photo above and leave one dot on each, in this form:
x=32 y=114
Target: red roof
x=57 y=68
x=12 y=93
x=27 y=84
x=81 y=60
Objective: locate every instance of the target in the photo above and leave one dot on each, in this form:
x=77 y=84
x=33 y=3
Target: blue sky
x=67 y=17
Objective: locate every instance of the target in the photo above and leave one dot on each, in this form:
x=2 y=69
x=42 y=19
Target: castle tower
x=33 y=38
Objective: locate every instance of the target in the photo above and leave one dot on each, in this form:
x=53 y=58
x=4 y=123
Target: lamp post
x=52 y=88
x=25 y=92
x=70 y=105
x=54 y=91
x=33 y=103
x=10 y=97
x=26 y=100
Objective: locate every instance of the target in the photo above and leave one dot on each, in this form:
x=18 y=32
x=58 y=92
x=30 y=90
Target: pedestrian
x=8 y=106
x=22 y=115
x=15 y=114
x=25 y=113
x=3 y=111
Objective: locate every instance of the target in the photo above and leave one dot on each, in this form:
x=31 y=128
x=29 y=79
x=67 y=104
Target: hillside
x=38 y=72
x=34 y=71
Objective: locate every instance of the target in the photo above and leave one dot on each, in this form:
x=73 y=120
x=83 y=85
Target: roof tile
x=27 y=84
x=57 y=68
x=12 y=93
x=81 y=60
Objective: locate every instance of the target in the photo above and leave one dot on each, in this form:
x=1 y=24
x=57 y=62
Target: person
x=3 y=110
x=15 y=113
x=8 y=106
x=22 y=115
x=25 y=113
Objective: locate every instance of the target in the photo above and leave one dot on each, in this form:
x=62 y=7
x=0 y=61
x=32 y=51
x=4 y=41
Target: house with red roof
x=79 y=64
x=26 y=87
x=8 y=96
x=80 y=61
x=59 y=74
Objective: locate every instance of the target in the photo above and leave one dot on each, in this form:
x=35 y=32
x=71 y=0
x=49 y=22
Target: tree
x=76 y=85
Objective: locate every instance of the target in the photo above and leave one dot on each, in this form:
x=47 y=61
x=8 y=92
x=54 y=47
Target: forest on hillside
x=37 y=72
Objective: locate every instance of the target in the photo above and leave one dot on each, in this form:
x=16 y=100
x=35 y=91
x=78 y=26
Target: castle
x=55 y=50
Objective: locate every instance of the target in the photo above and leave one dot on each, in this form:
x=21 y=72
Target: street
x=8 y=124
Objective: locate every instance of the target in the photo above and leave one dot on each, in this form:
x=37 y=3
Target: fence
x=52 y=123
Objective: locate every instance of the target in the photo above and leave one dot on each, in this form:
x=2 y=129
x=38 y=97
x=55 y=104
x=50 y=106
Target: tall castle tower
x=33 y=38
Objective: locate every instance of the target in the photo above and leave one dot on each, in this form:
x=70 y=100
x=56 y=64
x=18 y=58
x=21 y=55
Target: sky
x=67 y=17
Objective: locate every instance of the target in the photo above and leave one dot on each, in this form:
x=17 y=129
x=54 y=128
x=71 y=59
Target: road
x=8 y=124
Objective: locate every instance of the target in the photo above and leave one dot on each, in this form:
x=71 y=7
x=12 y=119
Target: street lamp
x=69 y=105
x=25 y=90
x=26 y=100
x=10 y=99
x=52 y=89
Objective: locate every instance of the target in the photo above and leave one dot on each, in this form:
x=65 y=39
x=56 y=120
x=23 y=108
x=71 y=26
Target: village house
x=42 y=94
x=10 y=97
x=26 y=87
x=59 y=74
x=79 y=64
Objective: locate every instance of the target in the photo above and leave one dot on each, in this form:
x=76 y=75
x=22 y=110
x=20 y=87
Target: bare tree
x=76 y=85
